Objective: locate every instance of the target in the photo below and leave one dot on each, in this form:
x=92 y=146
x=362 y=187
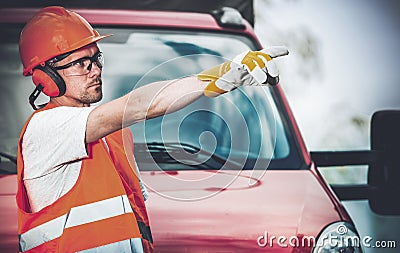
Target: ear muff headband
x=53 y=84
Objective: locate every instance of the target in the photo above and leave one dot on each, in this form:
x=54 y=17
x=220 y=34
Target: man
x=78 y=191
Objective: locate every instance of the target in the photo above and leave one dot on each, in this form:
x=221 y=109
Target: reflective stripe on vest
x=78 y=215
x=130 y=245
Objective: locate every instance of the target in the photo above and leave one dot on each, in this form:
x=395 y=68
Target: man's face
x=85 y=89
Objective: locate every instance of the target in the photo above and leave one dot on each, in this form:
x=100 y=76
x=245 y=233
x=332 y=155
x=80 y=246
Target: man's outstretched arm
x=159 y=98
x=146 y=102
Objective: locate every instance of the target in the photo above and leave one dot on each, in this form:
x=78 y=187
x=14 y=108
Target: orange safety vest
x=105 y=207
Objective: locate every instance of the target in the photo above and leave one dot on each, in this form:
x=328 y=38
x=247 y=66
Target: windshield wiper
x=181 y=153
x=8 y=167
x=12 y=158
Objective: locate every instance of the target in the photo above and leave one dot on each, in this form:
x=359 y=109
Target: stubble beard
x=93 y=97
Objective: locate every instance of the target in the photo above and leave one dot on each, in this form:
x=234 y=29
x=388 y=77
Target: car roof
x=137 y=18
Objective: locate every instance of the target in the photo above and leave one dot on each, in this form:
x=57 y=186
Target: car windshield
x=243 y=128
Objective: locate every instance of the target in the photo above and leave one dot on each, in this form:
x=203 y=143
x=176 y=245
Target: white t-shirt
x=53 y=147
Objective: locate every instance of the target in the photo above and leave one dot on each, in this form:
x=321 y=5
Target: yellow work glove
x=250 y=68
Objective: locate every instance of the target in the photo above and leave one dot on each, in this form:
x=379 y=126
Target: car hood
x=8 y=185
x=215 y=211
x=8 y=217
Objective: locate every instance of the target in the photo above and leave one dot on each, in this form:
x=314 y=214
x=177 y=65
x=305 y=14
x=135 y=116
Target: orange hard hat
x=51 y=32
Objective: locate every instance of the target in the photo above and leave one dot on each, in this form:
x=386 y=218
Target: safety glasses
x=82 y=66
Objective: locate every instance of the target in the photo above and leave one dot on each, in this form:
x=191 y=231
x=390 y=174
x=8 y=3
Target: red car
x=230 y=174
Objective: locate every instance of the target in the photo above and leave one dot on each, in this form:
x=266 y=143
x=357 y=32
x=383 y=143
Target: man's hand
x=250 y=68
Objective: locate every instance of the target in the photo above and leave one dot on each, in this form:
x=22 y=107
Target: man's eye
x=79 y=63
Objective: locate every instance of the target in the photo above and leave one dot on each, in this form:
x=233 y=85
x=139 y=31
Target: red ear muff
x=52 y=82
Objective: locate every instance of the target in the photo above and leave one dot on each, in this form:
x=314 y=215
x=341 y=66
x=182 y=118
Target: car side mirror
x=383 y=159
x=384 y=175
